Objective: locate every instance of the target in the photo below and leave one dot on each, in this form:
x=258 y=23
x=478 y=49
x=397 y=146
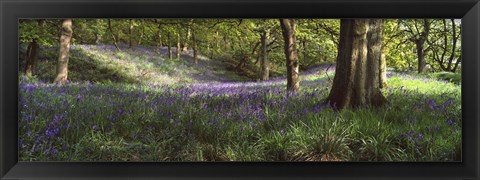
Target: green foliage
x=400 y=47
x=317 y=41
x=441 y=44
x=87 y=31
x=45 y=32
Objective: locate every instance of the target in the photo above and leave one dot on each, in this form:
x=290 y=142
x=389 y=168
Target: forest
x=239 y=89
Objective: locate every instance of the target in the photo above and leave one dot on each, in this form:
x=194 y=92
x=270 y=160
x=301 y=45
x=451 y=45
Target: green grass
x=130 y=121
x=447 y=76
x=104 y=64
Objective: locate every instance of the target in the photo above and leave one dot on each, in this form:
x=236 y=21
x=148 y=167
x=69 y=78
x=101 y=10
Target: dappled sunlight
x=250 y=106
x=239 y=90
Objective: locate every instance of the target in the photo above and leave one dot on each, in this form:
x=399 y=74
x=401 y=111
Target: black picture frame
x=467 y=10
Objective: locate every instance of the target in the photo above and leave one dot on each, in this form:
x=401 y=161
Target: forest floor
x=138 y=105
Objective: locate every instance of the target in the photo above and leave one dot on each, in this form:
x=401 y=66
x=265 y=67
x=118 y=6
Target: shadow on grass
x=82 y=67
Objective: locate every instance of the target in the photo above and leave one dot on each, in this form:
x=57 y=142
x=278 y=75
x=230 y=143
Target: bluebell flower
x=451 y=121
x=419 y=136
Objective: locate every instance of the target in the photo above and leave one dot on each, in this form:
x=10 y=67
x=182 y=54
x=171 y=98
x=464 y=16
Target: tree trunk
x=194 y=47
x=130 y=34
x=420 y=56
x=356 y=81
x=459 y=59
x=142 y=34
x=226 y=45
x=420 y=46
x=62 y=65
x=160 y=43
x=185 y=46
x=113 y=35
x=98 y=37
x=31 y=57
x=454 y=46
x=264 y=64
x=217 y=40
x=288 y=32
x=383 y=70
x=169 y=40
x=376 y=67
x=304 y=45
x=178 y=46
x=243 y=61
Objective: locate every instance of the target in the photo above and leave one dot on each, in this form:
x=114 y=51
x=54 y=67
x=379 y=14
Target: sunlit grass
x=233 y=121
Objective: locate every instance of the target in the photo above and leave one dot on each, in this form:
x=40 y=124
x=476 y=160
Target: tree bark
x=98 y=38
x=421 y=56
x=98 y=35
x=188 y=36
x=169 y=42
x=451 y=67
x=178 y=46
x=264 y=64
x=130 y=34
x=376 y=51
x=33 y=51
x=31 y=57
x=383 y=70
x=243 y=61
x=420 y=42
x=217 y=40
x=194 y=47
x=459 y=59
x=159 y=35
x=142 y=34
x=356 y=81
x=288 y=32
x=62 y=65
x=454 y=46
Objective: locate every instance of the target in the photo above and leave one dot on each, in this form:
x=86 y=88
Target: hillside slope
x=144 y=65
